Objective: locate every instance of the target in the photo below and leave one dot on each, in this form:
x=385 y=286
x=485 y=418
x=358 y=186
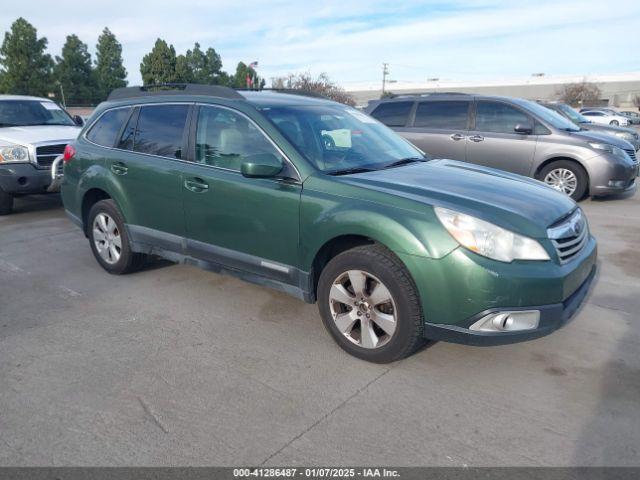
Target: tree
x=73 y=71
x=577 y=94
x=246 y=77
x=184 y=72
x=110 y=72
x=25 y=68
x=206 y=68
x=159 y=65
x=321 y=85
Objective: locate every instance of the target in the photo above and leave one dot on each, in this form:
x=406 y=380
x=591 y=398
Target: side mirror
x=523 y=129
x=261 y=165
x=78 y=119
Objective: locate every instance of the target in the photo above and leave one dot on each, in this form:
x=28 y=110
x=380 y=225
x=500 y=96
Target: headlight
x=489 y=240
x=609 y=148
x=14 y=153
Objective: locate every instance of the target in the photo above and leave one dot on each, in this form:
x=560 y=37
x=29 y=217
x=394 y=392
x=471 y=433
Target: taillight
x=69 y=152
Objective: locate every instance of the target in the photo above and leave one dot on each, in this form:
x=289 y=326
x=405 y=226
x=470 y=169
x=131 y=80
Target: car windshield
x=341 y=140
x=572 y=114
x=549 y=116
x=21 y=113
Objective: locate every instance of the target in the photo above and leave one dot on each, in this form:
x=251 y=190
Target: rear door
x=493 y=141
x=146 y=166
x=440 y=128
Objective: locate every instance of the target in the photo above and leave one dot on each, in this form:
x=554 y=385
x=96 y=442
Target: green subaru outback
x=327 y=204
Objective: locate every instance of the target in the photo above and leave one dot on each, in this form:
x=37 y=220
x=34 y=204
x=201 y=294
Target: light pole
x=64 y=103
x=385 y=72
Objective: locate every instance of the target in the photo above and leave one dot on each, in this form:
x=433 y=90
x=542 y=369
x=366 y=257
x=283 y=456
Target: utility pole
x=64 y=104
x=385 y=72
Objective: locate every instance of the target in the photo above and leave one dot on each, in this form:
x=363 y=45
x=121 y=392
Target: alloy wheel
x=562 y=179
x=363 y=309
x=107 y=238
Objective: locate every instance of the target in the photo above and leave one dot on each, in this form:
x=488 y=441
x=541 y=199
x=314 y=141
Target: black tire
x=129 y=260
x=615 y=123
x=6 y=203
x=579 y=172
x=385 y=266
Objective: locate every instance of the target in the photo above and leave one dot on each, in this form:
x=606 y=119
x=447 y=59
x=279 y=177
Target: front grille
x=632 y=153
x=46 y=154
x=570 y=236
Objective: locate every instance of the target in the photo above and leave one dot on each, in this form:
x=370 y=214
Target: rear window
x=445 y=115
x=393 y=114
x=105 y=130
x=160 y=129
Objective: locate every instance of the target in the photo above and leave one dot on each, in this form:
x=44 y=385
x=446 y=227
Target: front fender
x=324 y=217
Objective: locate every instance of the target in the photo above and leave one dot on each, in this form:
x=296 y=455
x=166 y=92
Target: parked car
x=515 y=135
x=606 y=117
x=633 y=116
x=628 y=134
x=393 y=247
x=33 y=132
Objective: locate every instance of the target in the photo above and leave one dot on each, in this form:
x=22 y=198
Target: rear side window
x=106 y=129
x=499 y=117
x=446 y=115
x=393 y=114
x=160 y=130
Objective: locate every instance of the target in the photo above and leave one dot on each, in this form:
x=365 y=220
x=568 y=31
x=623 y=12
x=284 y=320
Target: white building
x=618 y=90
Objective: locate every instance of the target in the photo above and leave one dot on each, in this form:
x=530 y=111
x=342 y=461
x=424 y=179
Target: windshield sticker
x=361 y=116
x=50 y=106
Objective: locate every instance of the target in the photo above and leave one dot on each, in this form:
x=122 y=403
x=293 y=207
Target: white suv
x=33 y=132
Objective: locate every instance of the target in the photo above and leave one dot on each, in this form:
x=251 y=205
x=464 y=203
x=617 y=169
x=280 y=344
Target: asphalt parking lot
x=177 y=366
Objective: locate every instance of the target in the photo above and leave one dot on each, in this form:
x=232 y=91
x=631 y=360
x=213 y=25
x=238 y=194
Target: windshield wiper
x=349 y=171
x=404 y=161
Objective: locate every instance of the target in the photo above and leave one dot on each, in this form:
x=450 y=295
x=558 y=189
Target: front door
x=250 y=224
x=493 y=141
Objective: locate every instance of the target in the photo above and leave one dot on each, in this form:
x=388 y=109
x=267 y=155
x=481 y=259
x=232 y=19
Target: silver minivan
x=513 y=134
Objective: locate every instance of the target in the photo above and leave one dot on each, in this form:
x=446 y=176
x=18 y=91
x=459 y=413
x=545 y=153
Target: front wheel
x=567 y=177
x=370 y=306
x=110 y=241
x=615 y=123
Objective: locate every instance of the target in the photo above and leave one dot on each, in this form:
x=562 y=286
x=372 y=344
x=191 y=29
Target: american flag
x=253 y=64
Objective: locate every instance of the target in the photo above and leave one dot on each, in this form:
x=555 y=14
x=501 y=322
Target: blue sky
x=457 y=40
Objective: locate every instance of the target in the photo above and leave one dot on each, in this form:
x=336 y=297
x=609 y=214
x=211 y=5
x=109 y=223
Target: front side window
x=446 y=115
x=23 y=113
x=338 y=139
x=499 y=117
x=105 y=130
x=160 y=130
x=225 y=139
x=393 y=114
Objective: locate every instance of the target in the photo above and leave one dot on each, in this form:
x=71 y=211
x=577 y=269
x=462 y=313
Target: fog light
x=616 y=183
x=508 y=321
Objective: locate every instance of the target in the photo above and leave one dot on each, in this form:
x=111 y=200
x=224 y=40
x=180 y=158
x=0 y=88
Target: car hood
x=593 y=136
x=517 y=203
x=29 y=135
x=597 y=127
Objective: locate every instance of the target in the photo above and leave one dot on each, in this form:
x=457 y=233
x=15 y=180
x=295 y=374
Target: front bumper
x=609 y=176
x=552 y=317
x=460 y=288
x=23 y=178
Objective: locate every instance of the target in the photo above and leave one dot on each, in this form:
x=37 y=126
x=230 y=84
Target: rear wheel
x=6 y=203
x=369 y=304
x=615 y=123
x=567 y=177
x=109 y=240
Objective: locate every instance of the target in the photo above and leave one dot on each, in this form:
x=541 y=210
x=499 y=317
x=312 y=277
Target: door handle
x=196 y=185
x=476 y=138
x=119 y=168
x=457 y=136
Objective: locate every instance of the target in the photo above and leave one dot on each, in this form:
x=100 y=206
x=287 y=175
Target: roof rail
x=291 y=91
x=173 y=89
x=424 y=94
